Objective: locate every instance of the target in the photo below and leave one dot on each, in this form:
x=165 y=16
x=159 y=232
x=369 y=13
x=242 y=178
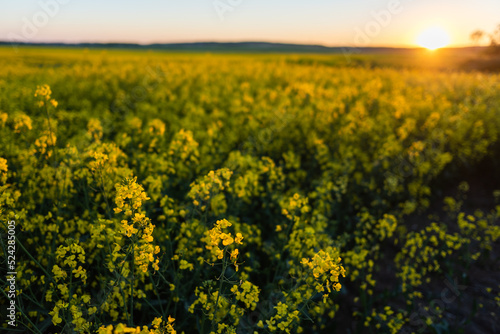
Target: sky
x=331 y=23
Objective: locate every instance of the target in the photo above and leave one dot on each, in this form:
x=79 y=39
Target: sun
x=433 y=38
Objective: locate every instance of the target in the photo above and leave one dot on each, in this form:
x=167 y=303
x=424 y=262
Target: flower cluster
x=22 y=122
x=129 y=197
x=44 y=96
x=209 y=190
x=159 y=327
x=45 y=143
x=3 y=118
x=69 y=277
x=246 y=293
x=129 y=200
x=94 y=129
x=217 y=241
x=3 y=170
x=283 y=319
x=387 y=320
x=326 y=269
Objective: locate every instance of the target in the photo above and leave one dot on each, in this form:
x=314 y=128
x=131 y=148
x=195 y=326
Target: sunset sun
x=433 y=38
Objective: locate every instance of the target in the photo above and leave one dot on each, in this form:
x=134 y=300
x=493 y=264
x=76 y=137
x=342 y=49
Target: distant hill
x=236 y=47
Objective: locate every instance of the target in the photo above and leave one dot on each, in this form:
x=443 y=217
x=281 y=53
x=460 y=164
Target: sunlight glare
x=433 y=38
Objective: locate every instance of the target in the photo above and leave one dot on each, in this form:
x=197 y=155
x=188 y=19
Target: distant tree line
x=494 y=37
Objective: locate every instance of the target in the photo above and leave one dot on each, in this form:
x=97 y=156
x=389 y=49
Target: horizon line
x=66 y=43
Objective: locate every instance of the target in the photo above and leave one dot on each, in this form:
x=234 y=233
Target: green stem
x=131 y=319
x=305 y=304
x=221 y=279
x=108 y=210
x=287 y=233
x=157 y=295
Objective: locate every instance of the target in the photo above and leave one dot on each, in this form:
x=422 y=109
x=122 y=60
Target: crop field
x=150 y=192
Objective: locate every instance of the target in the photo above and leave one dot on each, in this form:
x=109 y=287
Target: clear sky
x=332 y=23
